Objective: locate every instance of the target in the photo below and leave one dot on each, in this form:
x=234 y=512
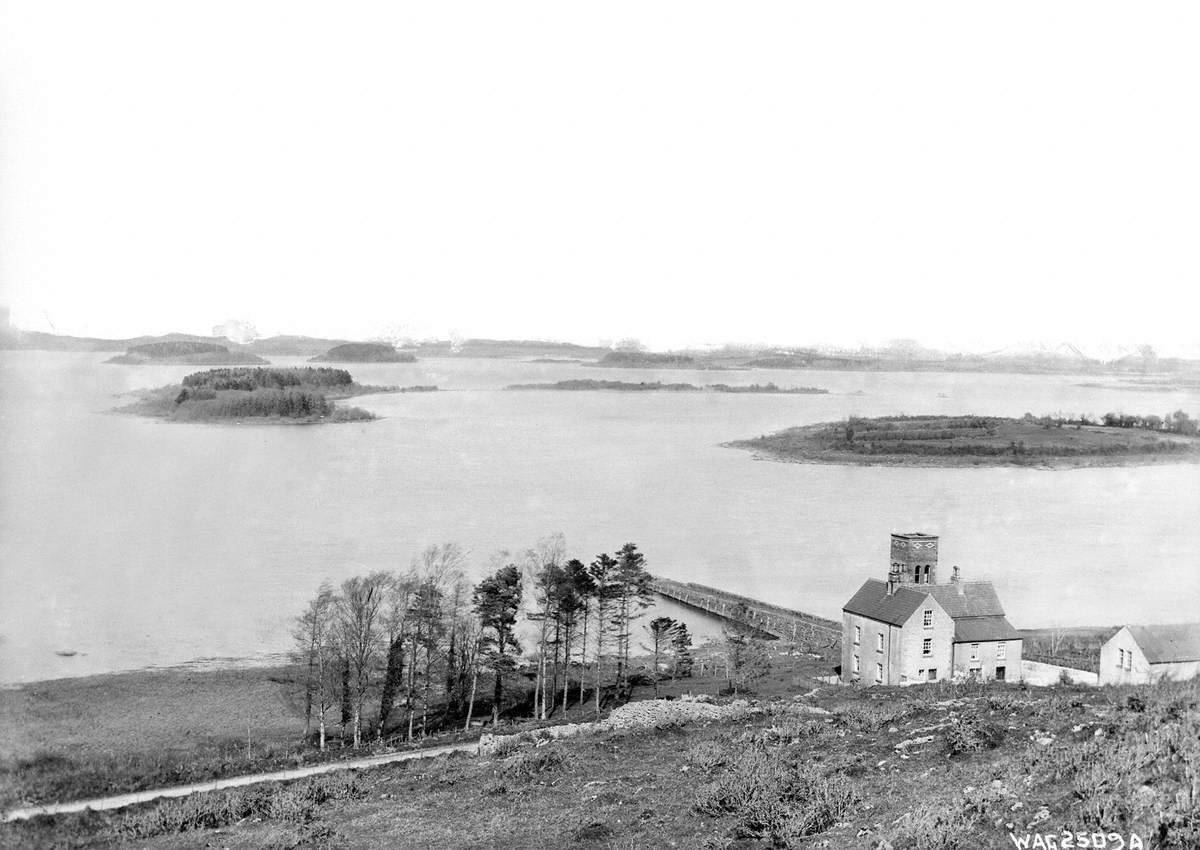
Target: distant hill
x=642 y=359
x=364 y=352
x=186 y=352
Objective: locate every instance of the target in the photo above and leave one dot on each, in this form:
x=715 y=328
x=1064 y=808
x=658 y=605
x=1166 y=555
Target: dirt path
x=122 y=800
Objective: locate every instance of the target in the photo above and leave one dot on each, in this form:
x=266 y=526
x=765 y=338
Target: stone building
x=912 y=629
x=1139 y=654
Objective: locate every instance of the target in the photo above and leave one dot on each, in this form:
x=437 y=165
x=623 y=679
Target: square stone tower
x=914 y=558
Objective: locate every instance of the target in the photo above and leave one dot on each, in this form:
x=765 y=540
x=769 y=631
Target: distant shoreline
x=591 y=385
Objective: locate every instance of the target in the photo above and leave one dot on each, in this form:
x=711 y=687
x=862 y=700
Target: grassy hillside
x=974 y=441
x=936 y=767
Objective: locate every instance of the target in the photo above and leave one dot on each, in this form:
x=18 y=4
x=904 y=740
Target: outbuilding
x=1139 y=654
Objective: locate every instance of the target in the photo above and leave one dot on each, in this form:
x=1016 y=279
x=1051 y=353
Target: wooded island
x=1051 y=442
x=302 y=395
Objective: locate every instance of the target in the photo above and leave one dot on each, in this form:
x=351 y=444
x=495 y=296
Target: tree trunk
x=566 y=664
x=346 y=711
x=583 y=655
x=321 y=729
x=391 y=682
x=471 y=701
x=498 y=692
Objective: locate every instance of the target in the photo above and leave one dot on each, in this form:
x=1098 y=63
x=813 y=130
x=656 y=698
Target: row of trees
x=248 y=378
x=419 y=642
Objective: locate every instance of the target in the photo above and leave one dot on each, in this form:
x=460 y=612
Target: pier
x=774 y=620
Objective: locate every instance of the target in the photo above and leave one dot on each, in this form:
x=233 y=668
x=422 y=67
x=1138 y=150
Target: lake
x=134 y=543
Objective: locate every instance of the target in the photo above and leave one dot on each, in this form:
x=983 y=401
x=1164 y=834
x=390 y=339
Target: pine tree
x=496 y=602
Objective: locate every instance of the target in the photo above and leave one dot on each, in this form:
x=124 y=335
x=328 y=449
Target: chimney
x=893 y=580
x=955 y=576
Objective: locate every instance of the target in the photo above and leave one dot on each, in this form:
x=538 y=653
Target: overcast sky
x=964 y=174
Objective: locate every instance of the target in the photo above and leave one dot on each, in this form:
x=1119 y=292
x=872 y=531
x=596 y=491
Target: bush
x=709 y=755
x=534 y=763
x=869 y=717
x=773 y=796
x=969 y=734
x=291 y=803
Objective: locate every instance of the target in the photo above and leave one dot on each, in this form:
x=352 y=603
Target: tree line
x=252 y=379
x=404 y=653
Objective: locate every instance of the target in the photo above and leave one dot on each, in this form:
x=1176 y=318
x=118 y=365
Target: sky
x=972 y=176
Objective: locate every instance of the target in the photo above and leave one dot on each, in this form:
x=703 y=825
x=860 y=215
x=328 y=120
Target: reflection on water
x=131 y=542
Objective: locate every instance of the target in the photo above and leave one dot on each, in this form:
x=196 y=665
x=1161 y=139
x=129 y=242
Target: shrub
x=969 y=734
x=709 y=755
x=293 y=803
x=534 y=763
x=868 y=717
x=773 y=796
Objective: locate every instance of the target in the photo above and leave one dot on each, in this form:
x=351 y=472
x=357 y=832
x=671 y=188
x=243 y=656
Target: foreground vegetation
x=659 y=386
x=302 y=395
x=937 y=767
x=987 y=441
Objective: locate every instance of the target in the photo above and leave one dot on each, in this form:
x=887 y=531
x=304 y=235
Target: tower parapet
x=915 y=557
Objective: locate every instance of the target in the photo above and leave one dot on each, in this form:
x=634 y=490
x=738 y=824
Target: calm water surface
x=133 y=542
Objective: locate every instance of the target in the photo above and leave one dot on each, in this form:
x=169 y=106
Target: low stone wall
x=644 y=714
x=1039 y=673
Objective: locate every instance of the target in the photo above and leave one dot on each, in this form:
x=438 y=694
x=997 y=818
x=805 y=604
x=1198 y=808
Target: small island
x=364 y=352
x=286 y=396
x=582 y=384
x=186 y=353
x=965 y=441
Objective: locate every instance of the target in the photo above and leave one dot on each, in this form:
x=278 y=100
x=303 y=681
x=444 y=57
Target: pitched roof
x=967 y=598
x=873 y=601
x=977 y=629
x=1160 y=644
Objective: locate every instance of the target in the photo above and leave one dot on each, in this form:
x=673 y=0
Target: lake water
x=133 y=543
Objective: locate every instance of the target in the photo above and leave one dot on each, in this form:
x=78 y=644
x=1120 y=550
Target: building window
x=879 y=643
x=927 y=646
x=933 y=674
x=1001 y=651
x=927 y=622
x=1128 y=660
x=1121 y=659
x=1000 y=673
x=878 y=673
x=976 y=673
x=857 y=634
x=856 y=664
x=974 y=652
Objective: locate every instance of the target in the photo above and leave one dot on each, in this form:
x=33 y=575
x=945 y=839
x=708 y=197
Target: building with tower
x=912 y=629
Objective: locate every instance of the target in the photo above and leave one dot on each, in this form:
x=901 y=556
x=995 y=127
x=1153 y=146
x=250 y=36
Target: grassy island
x=364 y=352
x=279 y=395
x=659 y=386
x=1046 y=442
x=187 y=353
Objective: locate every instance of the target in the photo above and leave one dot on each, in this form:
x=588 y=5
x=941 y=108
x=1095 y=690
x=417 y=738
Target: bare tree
x=359 y=618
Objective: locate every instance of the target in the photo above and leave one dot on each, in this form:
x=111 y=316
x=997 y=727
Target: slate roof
x=1167 y=643
x=967 y=598
x=872 y=601
x=973 y=605
x=979 y=629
